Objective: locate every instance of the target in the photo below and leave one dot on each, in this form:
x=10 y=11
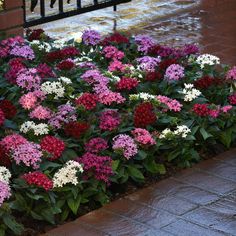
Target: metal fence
x=79 y=9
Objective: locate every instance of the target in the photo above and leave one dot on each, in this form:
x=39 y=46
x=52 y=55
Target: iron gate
x=63 y=14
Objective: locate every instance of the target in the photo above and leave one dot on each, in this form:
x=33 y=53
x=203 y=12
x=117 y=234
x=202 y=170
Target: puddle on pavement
x=136 y=16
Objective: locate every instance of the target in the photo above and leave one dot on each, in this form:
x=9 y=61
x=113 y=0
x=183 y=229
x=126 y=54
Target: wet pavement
x=200 y=201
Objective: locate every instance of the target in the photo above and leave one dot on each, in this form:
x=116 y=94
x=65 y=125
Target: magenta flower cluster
x=96 y=145
x=113 y=53
x=41 y=113
x=126 y=145
x=172 y=104
x=231 y=74
x=24 y=51
x=29 y=154
x=109 y=120
x=174 y=72
x=143 y=136
x=148 y=63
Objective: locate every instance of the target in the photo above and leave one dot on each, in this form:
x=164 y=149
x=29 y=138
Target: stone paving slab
x=199 y=201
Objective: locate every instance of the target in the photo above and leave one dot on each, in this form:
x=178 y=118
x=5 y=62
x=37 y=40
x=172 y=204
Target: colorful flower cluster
x=91 y=37
x=172 y=104
x=174 y=72
x=96 y=145
x=143 y=137
x=109 y=120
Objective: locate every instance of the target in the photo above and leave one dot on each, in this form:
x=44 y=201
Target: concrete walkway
x=198 y=201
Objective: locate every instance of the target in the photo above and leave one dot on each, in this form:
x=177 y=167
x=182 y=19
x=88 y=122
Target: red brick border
x=11 y=18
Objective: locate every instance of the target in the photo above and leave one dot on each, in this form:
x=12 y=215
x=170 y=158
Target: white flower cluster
x=143 y=96
x=60 y=43
x=5 y=174
x=112 y=77
x=54 y=87
x=67 y=174
x=42 y=45
x=190 y=93
x=65 y=80
x=207 y=59
x=38 y=129
x=181 y=131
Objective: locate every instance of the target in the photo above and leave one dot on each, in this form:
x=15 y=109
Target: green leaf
x=13 y=225
x=115 y=164
x=48 y=164
x=74 y=204
x=154 y=168
x=142 y=155
x=135 y=173
x=48 y=215
x=226 y=137
x=204 y=134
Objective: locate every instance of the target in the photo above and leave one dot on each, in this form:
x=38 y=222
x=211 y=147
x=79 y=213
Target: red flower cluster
x=201 y=109
x=16 y=64
x=45 y=71
x=76 y=129
x=39 y=179
x=62 y=54
x=164 y=64
x=4 y=158
x=35 y=34
x=127 y=83
x=206 y=81
x=232 y=99
x=153 y=75
x=8 y=108
x=53 y=146
x=115 y=38
x=66 y=65
x=2 y=117
x=88 y=100
x=144 y=115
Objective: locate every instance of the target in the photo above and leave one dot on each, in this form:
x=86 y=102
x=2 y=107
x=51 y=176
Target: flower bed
x=80 y=117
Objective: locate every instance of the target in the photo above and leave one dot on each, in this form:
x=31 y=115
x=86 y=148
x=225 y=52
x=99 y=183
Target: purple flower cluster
x=5 y=192
x=174 y=72
x=29 y=153
x=91 y=37
x=231 y=74
x=65 y=114
x=109 y=120
x=99 y=165
x=87 y=64
x=147 y=63
x=144 y=43
x=24 y=51
x=126 y=145
x=28 y=79
x=96 y=145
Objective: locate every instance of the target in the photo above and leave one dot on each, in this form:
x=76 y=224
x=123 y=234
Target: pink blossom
x=109 y=120
x=172 y=104
x=5 y=192
x=227 y=108
x=231 y=74
x=41 y=113
x=113 y=53
x=95 y=145
x=142 y=136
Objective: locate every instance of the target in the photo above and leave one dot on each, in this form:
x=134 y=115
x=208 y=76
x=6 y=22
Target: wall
x=12 y=18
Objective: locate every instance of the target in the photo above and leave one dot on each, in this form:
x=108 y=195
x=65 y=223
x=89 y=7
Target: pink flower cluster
x=24 y=51
x=96 y=145
x=41 y=113
x=126 y=145
x=144 y=42
x=31 y=99
x=5 y=192
x=113 y=53
x=29 y=153
x=109 y=120
x=172 y=104
x=174 y=72
x=117 y=65
x=100 y=166
x=148 y=63
x=232 y=99
x=28 y=79
x=143 y=137
x=12 y=141
x=231 y=74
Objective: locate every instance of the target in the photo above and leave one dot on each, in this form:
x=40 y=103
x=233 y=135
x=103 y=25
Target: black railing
x=63 y=14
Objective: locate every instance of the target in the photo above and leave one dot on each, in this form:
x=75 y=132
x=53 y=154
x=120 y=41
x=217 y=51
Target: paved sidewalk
x=198 y=201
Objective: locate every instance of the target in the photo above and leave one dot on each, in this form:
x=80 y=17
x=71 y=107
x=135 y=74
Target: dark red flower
x=66 y=65
x=201 y=109
x=4 y=157
x=115 y=38
x=45 y=71
x=2 y=117
x=8 y=108
x=39 y=179
x=153 y=75
x=166 y=63
x=36 y=34
x=53 y=146
x=127 y=83
x=76 y=129
x=206 y=81
x=88 y=100
x=232 y=99
x=144 y=115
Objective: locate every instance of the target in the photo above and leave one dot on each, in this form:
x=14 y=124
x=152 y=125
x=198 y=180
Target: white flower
x=38 y=129
x=45 y=46
x=143 y=96
x=207 y=59
x=60 y=43
x=67 y=174
x=182 y=130
x=65 y=80
x=55 y=87
x=35 y=42
x=190 y=92
x=5 y=174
